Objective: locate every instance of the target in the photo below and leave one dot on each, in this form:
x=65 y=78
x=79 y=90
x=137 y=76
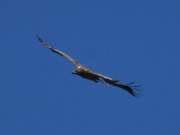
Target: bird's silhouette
x=86 y=73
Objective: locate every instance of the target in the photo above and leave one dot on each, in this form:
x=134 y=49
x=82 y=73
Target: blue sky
x=127 y=40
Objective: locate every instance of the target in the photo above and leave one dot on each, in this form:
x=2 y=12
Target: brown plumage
x=86 y=73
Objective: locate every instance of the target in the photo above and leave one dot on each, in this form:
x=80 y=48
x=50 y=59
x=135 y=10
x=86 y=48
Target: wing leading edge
x=57 y=51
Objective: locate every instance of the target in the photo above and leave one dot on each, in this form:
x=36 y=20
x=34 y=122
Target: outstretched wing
x=47 y=45
x=128 y=87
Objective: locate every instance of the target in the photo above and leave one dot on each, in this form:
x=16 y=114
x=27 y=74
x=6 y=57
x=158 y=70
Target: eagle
x=88 y=74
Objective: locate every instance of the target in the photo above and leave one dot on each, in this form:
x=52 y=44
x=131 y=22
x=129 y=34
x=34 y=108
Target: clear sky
x=125 y=39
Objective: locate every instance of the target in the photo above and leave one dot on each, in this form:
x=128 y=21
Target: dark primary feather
x=126 y=87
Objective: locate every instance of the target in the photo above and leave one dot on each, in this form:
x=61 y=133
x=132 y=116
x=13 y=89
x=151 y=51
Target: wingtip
x=133 y=94
x=39 y=38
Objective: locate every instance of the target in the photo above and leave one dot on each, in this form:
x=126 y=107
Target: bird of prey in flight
x=86 y=73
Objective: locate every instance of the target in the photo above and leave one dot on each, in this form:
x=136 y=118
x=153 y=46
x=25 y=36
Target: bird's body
x=86 y=73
